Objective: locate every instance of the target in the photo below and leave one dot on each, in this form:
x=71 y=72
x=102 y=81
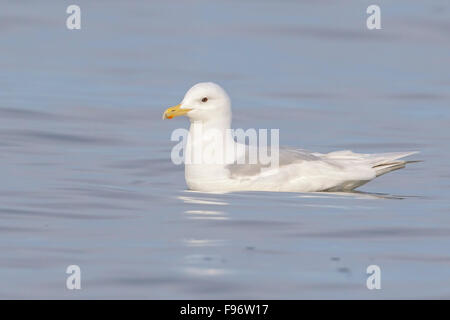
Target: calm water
x=86 y=176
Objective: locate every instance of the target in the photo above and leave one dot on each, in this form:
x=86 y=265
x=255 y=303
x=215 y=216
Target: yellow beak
x=175 y=111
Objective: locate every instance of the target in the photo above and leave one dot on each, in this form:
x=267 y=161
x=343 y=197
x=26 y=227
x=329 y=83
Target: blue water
x=86 y=176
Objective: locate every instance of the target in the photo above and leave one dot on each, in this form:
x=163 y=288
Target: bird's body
x=297 y=170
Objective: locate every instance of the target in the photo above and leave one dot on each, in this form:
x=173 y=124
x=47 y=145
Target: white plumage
x=208 y=104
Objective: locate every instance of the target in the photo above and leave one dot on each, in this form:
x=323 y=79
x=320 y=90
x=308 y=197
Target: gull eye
x=204 y=99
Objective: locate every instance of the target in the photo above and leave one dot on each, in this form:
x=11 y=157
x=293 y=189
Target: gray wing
x=287 y=156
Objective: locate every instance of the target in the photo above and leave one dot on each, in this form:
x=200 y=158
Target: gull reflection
x=206 y=215
x=194 y=271
x=198 y=200
x=203 y=242
x=205 y=265
x=353 y=194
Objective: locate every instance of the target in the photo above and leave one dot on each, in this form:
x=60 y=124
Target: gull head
x=205 y=101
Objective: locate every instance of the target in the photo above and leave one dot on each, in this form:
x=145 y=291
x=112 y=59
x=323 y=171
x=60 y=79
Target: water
x=85 y=157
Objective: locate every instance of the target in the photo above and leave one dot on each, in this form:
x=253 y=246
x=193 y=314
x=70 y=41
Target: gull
x=207 y=105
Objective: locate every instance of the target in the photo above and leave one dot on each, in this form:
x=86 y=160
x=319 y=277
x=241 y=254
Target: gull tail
x=387 y=162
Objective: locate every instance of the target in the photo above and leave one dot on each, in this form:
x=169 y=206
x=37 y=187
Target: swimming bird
x=208 y=107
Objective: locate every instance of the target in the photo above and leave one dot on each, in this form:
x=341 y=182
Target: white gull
x=297 y=170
